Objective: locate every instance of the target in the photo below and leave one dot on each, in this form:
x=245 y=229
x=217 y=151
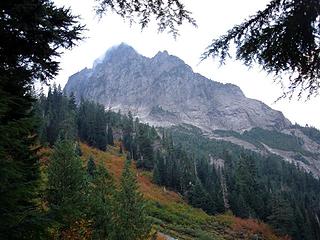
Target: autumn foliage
x=233 y=226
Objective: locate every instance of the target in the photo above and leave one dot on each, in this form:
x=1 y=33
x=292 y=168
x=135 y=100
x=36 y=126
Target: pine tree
x=127 y=141
x=102 y=204
x=72 y=102
x=92 y=124
x=91 y=167
x=100 y=126
x=241 y=207
x=282 y=218
x=198 y=197
x=33 y=35
x=19 y=174
x=58 y=117
x=145 y=160
x=131 y=220
x=78 y=149
x=159 y=171
x=110 y=136
x=169 y=15
x=212 y=184
x=66 y=185
x=284 y=39
x=246 y=186
x=120 y=149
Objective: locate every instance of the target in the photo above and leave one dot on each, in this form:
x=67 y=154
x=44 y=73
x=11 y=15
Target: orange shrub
x=115 y=163
x=80 y=230
x=253 y=226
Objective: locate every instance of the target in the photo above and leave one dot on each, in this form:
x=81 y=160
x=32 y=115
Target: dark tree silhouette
x=284 y=39
x=33 y=34
x=169 y=14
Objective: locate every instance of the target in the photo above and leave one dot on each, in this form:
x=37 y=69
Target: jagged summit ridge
x=163 y=90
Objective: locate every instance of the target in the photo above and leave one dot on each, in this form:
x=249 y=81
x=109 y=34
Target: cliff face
x=164 y=91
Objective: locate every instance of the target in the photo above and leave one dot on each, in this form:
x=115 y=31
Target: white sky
x=213 y=18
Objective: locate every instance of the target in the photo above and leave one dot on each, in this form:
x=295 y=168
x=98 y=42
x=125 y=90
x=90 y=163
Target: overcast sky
x=213 y=18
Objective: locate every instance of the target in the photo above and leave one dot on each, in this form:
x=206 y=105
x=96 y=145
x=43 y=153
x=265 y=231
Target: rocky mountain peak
x=121 y=50
x=163 y=90
x=166 y=62
x=162 y=55
x=116 y=53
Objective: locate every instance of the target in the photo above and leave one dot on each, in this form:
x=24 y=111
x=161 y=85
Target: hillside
x=170 y=213
x=211 y=174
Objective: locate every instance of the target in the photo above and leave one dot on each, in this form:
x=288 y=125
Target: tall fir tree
x=33 y=35
x=66 y=185
x=198 y=196
x=281 y=218
x=102 y=204
x=91 y=167
x=131 y=220
x=110 y=136
x=159 y=171
x=92 y=124
x=246 y=186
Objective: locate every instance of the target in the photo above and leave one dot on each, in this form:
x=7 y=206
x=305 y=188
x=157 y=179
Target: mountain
x=164 y=91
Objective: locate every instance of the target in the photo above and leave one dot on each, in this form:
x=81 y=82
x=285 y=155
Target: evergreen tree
x=66 y=185
x=100 y=126
x=92 y=124
x=303 y=228
x=110 y=136
x=126 y=123
x=168 y=14
x=198 y=196
x=78 y=149
x=212 y=184
x=129 y=158
x=246 y=186
x=33 y=33
x=128 y=142
x=281 y=218
x=131 y=220
x=240 y=206
x=91 y=167
x=159 y=172
x=72 y=102
x=102 y=204
x=19 y=174
x=282 y=38
x=58 y=116
x=120 y=149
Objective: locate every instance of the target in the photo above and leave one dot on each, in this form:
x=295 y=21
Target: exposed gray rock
x=164 y=91
x=308 y=144
x=309 y=164
x=167 y=237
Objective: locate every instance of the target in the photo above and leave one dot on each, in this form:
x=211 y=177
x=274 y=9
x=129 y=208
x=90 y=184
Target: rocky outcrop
x=164 y=91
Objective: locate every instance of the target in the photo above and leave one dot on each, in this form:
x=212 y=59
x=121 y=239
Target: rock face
x=164 y=91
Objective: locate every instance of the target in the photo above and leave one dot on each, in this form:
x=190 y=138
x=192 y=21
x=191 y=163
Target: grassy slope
x=173 y=216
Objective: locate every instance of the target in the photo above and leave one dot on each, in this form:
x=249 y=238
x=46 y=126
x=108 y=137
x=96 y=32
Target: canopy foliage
x=284 y=39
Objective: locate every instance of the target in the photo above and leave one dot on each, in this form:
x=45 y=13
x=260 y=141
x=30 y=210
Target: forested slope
x=215 y=176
